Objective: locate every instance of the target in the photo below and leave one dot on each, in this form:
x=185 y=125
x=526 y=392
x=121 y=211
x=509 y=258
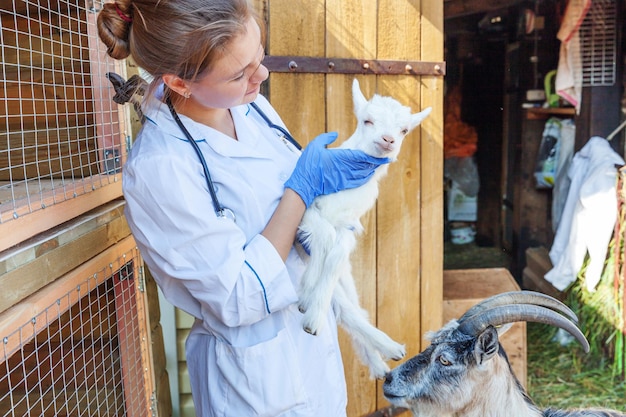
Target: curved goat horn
x=496 y=316
x=520 y=297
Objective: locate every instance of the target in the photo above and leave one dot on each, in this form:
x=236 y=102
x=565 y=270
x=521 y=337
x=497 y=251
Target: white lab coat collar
x=247 y=145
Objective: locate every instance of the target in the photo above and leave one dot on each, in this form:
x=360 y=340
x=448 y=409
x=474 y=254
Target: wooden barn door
x=394 y=47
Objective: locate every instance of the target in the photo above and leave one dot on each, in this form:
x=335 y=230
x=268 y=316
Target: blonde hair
x=180 y=37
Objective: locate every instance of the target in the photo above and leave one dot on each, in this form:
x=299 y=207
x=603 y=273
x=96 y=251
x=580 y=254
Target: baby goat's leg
x=327 y=265
x=319 y=236
x=373 y=345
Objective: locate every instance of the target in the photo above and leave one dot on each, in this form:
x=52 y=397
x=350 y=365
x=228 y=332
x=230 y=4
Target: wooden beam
x=456 y=8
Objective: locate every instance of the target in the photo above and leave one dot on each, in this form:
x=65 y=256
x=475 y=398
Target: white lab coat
x=589 y=216
x=247 y=354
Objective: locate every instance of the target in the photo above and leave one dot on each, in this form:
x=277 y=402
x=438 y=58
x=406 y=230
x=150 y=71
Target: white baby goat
x=465 y=371
x=330 y=226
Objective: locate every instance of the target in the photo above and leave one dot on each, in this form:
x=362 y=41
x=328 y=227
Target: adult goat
x=465 y=371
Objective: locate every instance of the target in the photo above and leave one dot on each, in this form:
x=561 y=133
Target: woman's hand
x=322 y=171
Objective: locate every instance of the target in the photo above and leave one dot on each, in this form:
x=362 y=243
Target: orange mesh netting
x=460 y=139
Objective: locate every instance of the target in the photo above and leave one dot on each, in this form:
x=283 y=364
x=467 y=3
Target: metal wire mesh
x=598 y=44
x=60 y=136
x=81 y=355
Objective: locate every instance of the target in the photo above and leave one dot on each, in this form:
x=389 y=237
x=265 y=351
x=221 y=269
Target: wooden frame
x=55 y=169
x=66 y=291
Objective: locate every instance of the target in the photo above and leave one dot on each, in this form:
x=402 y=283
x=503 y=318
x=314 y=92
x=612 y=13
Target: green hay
x=600 y=313
x=566 y=377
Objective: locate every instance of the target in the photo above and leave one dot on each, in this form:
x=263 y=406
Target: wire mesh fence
x=61 y=135
x=82 y=354
x=598 y=44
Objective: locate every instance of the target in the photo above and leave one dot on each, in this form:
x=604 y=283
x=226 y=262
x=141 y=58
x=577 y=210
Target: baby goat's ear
x=417 y=118
x=487 y=345
x=357 y=96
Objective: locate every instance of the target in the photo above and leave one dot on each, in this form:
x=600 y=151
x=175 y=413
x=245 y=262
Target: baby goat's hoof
x=379 y=372
x=310 y=331
x=301 y=308
x=394 y=352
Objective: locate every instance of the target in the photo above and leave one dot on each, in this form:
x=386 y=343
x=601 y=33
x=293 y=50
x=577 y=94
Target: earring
x=187 y=94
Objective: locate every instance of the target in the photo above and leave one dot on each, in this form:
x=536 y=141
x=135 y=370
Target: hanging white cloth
x=588 y=217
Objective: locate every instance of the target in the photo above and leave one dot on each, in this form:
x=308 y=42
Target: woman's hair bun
x=114 y=31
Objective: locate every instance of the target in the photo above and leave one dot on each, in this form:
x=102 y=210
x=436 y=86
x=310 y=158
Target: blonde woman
x=215 y=193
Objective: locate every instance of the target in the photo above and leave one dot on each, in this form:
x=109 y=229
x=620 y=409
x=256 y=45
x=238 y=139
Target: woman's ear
x=176 y=84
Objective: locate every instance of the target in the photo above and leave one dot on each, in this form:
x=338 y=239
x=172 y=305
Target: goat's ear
x=417 y=118
x=357 y=96
x=487 y=345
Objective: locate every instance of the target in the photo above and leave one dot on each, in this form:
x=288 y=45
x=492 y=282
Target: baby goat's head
x=382 y=123
x=465 y=364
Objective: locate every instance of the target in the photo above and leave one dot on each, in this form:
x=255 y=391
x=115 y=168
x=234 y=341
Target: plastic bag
x=548 y=156
x=464 y=172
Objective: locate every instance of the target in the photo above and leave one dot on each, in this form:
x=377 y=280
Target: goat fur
x=332 y=222
x=464 y=376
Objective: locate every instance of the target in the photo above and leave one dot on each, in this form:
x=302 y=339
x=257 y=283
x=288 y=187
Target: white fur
x=332 y=222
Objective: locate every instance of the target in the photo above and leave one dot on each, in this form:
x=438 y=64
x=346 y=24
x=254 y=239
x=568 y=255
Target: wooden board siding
x=184 y=321
x=399 y=261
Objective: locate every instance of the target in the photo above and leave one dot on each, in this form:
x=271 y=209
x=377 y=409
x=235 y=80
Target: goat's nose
x=388 y=139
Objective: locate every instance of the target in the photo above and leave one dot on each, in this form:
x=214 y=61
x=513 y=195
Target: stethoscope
x=220 y=210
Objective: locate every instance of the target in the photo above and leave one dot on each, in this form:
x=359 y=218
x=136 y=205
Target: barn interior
x=501 y=61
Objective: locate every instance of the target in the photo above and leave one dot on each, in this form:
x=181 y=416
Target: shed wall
x=398 y=263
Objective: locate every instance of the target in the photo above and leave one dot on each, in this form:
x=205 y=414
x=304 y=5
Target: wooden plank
x=538 y=259
x=31 y=221
x=361 y=389
x=399 y=230
x=107 y=401
x=110 y=118
x=462 y=289
x=431 y=163
x=298 y=32
x=535 y=281
x=532 y=223
x=60 y=260
x=186 y=406
x=49 y=153
x=355 y=40
x=300 y=102
x=300 y=99
x=145 y=342
x=85 y=366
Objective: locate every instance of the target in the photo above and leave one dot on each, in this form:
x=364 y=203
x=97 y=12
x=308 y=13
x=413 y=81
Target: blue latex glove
x=322 y=171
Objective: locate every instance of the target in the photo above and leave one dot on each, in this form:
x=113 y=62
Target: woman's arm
x=282 y=227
